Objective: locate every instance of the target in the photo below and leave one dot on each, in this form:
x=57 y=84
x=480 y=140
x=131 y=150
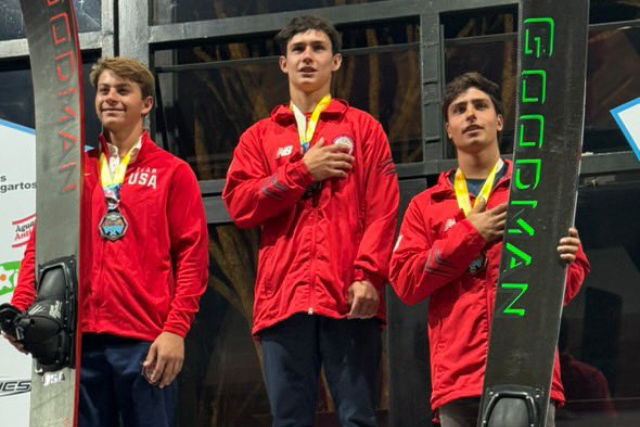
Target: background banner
x=17 y=218
x=628 y=118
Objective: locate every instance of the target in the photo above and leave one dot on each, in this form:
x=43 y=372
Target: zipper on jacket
x=315 y=202
x=312 y=282
x=97 y=293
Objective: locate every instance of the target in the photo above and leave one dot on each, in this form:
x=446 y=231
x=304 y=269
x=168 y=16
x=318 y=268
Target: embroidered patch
x=346 y=141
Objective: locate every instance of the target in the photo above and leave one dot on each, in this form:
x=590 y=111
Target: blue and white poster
x=17 y=219
x=628 y=118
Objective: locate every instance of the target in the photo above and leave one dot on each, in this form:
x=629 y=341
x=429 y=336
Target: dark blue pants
x=293 y=352
x=113 y=390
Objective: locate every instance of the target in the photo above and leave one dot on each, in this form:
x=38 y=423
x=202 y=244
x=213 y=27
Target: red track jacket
x=151 y=280
x=314 y=248
x=461 y=304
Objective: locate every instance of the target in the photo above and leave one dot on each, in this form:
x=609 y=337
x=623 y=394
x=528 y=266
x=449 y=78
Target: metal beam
x=607 y=163
x=466 y=41
x=216 y=211
x=443 y=6
x=234 y=63
x=91 y=41
x=432 y=72
x=212 y=187
x=592 y=164
x=241 y=26
x=17 y=48
x=133 y=30
x=14 y=49
x=108 y=28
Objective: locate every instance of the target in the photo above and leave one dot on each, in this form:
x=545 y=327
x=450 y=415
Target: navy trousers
x=113 y=391
x=293 y=353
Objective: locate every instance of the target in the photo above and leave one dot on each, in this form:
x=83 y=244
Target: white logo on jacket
x=284 y=151
x=344 y=141
x=450 y=223
x=145 y=177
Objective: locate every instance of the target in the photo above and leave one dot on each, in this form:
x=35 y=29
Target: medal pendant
x=478 y=264
x=113 y=226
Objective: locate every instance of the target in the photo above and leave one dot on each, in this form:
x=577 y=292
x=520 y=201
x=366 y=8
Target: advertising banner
x=17 y=219
x=628 y=118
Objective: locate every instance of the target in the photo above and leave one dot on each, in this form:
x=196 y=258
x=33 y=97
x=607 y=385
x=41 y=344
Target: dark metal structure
x=147 y=30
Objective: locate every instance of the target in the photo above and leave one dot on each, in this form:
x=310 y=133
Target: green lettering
x=518 y=257
x=510 y=287
x=532 y=203
x=536 y=163
x=538 y=22
x=528 y=118
x=543 y=86
x=524 y=225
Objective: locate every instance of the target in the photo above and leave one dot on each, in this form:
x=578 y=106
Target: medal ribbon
x=462 y=192
x=306 y=130
x=111 y=183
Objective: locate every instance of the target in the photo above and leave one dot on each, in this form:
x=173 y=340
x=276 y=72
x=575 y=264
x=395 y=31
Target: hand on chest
x=287 y=147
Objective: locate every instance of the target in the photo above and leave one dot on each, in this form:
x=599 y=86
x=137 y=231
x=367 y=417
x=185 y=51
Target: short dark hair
x=302 y=24
x=466 y=81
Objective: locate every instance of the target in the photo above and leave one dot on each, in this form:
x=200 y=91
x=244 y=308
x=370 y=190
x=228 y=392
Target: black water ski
x=56 y=66
x=552 y=55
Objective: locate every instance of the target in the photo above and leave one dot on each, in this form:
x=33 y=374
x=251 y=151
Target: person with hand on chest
x=318 y=178
x=449 y=251
x=143 y=261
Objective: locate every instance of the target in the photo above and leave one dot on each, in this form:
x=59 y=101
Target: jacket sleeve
x=189 y=249
x=576 y=273
x=25 y=292
x=421 y=264
x=380 y=210
x=252 y=193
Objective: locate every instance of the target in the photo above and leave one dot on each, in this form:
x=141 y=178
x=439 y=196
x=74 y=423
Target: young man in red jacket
x=319 y=179
x=141 y=284
x=449 y=250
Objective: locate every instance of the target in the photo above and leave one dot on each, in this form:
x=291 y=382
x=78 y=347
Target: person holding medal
x=144 y=259
x=318 y=178
x=449 y=250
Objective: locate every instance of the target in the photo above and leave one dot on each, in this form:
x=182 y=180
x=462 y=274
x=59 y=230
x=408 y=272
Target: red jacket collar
x=147 y=143
x=283 y=115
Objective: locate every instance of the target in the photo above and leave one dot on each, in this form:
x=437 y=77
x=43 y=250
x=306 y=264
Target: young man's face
x=310 y=61
x=119 y=102
x=472 y=121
